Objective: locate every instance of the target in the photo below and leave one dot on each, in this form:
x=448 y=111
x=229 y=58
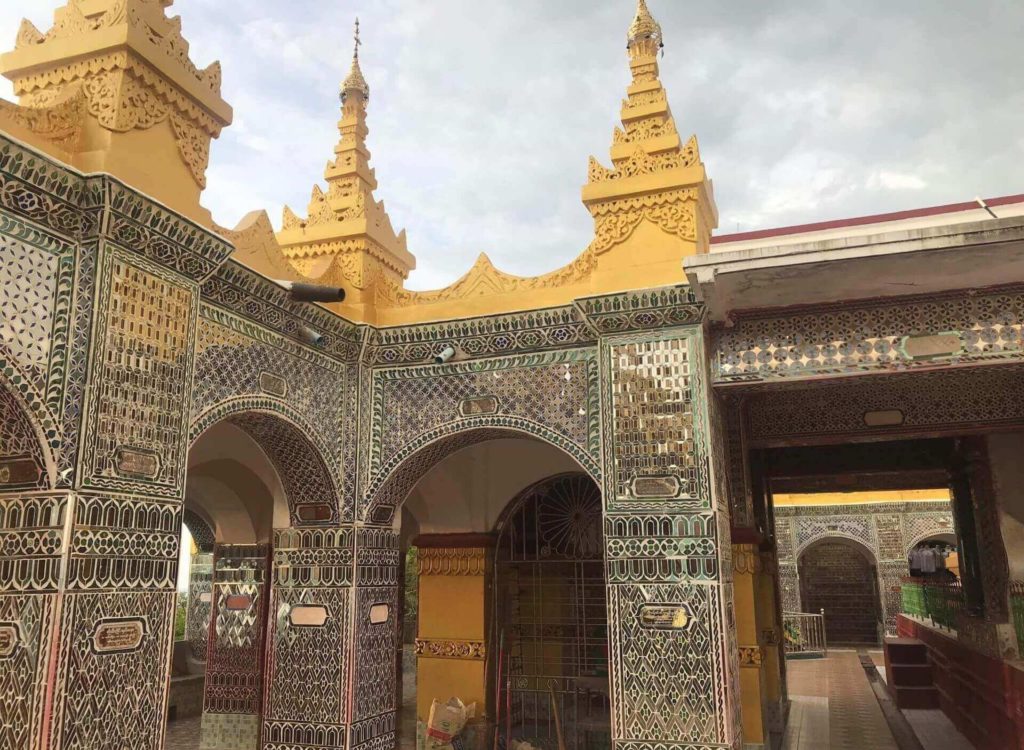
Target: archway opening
x=934 y=558
x=839 y=577
x=243 y=480
x=462 y=510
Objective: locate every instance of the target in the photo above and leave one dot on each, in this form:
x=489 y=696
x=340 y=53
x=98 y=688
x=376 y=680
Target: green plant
x=180 y=616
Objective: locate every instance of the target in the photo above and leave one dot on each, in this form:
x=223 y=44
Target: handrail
x=941 y=602
x=804 y=634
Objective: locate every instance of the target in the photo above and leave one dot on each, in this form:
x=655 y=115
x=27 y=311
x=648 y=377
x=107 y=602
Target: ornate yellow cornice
x=655 y=177
x=651 y=208
x=130 y=65
x=111 y=87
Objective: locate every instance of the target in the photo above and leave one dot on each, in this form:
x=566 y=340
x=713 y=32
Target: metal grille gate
x=551 y=616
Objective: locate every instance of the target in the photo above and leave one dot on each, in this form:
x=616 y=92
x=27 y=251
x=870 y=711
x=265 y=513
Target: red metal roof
x=861 y=220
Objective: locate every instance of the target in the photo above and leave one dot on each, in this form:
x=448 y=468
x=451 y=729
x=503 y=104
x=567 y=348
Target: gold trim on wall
x=751 y=656
x=746 y=559
x=450 y=649
x=444 y=561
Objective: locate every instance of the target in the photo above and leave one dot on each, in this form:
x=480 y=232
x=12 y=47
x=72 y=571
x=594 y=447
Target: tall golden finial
x=644 y=38
x=355 y=80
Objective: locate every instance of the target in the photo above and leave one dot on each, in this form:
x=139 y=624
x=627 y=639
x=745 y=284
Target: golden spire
x=355 y=80
x=347 y=238
x=655 y=178
x=131 y=65
x=644 y=38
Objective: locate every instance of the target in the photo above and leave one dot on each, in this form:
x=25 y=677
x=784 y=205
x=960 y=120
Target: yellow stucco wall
x=452 y=616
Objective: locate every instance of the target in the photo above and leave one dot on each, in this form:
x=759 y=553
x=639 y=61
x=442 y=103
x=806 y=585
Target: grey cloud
x=483 y=113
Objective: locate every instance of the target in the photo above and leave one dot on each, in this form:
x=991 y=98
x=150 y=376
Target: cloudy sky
x=483 y=112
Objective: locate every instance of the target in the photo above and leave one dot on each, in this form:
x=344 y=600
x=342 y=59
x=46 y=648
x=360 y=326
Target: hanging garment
x=928 y=564
x=915 y=569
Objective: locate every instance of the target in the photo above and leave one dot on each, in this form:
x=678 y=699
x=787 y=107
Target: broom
x=497 y=690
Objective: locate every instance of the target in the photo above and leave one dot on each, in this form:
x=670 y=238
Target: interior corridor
x=833 y=706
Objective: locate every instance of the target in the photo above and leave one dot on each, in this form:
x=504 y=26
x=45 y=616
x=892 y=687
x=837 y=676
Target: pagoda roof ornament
x=346 y=238
x=644 y=36
x=355 y=80
x=131 y=69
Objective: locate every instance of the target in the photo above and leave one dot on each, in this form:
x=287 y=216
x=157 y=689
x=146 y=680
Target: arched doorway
x=249 y=474
x=456 y=491
x=840 y=576
x=550 y=617
x=30 y=522
x=935 y=557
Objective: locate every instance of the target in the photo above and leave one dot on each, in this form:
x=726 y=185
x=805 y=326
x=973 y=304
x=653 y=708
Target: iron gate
x=551 y=617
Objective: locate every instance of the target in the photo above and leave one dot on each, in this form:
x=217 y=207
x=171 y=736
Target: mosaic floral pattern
x=97 y=710
x=142 y=371
x=23 y=673
x=556 y=391
x=885 y=336
x=670 y=686
x=234 y=678
x=924 y=402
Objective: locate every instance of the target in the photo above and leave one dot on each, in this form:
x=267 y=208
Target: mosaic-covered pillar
x=670 y=601
x=200 y=597
x=200 y=587
x=87 y=583
x=769 y=620
x=892 y=566
x=984 y=570
x=309 y=644
x=233 y=691
x=375 y=639
x=789 y=576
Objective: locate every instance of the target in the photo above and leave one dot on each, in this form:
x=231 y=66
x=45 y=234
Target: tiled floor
x=833 y=706
x=936 y=731
x=183 y=734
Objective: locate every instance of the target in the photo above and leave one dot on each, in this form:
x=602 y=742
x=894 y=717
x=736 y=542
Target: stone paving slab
x=833 y=706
